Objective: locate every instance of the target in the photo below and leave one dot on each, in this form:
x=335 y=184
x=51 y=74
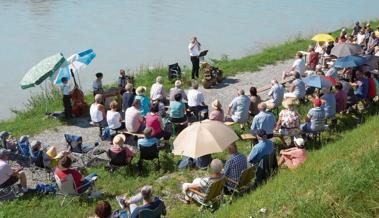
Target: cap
x=317 y=102
x=4 y=134
x=299 y=142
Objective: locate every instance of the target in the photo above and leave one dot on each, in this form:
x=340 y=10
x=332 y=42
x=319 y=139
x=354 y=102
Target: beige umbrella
x=202 y=138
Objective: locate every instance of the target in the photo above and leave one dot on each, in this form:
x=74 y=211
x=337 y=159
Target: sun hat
x=119 y=140
x=51 y=152
x=140 y=90
x=216 y=104
x=4 y=152
x=288 y=102
x=299 y=142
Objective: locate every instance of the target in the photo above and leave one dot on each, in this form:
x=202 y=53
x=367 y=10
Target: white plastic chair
x=67 y=188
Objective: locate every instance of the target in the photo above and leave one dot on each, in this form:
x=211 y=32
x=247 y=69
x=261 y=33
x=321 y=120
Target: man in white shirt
x=297 y=66
x=196 y=101
x=194 y=51
x=97 y=85
x=134 y=121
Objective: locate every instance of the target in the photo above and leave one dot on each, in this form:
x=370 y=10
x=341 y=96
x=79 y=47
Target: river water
x=128 y=34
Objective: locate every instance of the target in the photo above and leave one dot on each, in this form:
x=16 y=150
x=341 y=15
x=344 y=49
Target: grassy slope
x=31 y=122
x=341 y=180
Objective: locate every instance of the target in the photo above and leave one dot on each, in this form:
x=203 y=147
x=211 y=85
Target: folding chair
x=116 y=160
x=174 y=71
x=148 y=153
x=212 y=199
x=266 y=168
x=67 y=188
x=243 y=183
x=9 y=192
x=147 y=213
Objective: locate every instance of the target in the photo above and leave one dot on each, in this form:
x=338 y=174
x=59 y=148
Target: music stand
x=202 y=54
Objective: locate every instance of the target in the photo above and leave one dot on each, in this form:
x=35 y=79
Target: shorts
x=12 y=180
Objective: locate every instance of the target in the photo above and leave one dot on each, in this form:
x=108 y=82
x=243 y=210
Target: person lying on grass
x=293 y=157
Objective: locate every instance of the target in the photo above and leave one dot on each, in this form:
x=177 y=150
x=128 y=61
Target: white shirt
x=65 y=88
x=132 y=119
x=195 y=98
x=360 y=38
x=195 y=51
x=113 y=119
x=299 y=66
x=157 y=92
x=5 y=171
x=97 y=86
x=96 y=114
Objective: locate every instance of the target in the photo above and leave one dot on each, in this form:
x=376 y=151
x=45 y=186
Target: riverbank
x=167 y=180
x=32 y=120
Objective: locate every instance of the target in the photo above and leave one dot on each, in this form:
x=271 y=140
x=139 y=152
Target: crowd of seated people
x=143 y=114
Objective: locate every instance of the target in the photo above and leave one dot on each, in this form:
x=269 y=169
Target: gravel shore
x=224 y=92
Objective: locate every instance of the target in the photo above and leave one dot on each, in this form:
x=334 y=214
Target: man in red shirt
x=64 y=169
x=312 y=58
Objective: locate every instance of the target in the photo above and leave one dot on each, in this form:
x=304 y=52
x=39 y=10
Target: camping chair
x=212 y=198
x=148 y=153
x=67 y=188
x=174 y=71
x=266 y=168
x=76 y=147
x=116 y=160
x=157 y=212
x=9 y=192
x=244 y=181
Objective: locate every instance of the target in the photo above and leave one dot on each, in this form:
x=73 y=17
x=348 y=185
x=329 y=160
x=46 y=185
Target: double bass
x=79 y=105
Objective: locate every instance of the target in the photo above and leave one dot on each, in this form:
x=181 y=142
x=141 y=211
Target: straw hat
x=289 y=102
x=52 y=152
x=216 y=104
x=119 y=140
x=140 y=90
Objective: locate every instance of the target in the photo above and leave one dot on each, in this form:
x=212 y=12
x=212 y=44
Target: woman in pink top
x=293 y=157
x=154 y=121
x=217 y=113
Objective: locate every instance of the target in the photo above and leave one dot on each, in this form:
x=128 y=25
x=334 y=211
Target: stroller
x=174 y=72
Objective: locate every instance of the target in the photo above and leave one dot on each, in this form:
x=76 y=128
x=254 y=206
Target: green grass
x=340 y=180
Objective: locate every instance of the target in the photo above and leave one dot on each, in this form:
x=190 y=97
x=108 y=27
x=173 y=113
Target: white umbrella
x=202 y=138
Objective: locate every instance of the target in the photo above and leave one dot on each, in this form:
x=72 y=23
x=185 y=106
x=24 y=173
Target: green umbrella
x=44 y=69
